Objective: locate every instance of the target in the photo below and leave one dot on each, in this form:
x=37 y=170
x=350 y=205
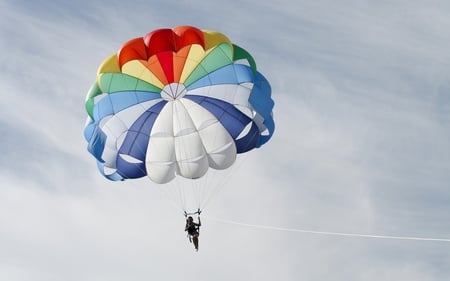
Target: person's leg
x=195 y=239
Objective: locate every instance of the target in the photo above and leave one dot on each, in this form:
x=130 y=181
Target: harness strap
x=198 y=212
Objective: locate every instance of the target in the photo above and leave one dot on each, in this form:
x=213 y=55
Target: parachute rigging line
x=267 y=227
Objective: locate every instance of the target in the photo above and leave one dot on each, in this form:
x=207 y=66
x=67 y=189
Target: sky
x=362 y=145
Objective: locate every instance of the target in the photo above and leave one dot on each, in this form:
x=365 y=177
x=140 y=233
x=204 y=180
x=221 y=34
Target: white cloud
x=361 y=145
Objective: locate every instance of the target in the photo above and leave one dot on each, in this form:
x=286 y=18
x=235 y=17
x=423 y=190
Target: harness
x=192 y=228
x=186 y=214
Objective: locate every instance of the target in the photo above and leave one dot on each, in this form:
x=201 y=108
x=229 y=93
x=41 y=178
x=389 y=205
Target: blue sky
x=362 y=145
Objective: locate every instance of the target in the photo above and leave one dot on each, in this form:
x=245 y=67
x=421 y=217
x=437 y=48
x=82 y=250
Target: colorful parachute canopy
x=176 y=102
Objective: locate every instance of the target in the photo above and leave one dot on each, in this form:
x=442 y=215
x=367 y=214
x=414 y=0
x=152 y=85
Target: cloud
x=361 y=145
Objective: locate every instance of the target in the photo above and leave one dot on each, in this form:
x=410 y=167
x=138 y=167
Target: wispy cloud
x=361 y=145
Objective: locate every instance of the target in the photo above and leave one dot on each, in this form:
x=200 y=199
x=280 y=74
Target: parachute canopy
x=176 y=102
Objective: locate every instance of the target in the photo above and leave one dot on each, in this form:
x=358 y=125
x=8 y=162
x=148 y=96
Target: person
x=192 y=229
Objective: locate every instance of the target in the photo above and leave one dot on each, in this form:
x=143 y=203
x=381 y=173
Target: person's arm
x=199 y=222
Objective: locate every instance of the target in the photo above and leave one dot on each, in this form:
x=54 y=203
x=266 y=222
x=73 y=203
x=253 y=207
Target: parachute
x=176 y=103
